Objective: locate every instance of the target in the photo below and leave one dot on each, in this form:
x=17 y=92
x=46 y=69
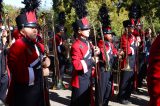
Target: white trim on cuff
x=31 y=76
x=35 y=62
x=85 y=68
x=132 y=50
x=37 y=51
x=59 y=49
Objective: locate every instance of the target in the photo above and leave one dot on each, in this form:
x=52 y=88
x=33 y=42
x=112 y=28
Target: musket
x=107 y=65
x=119 y=67
x=8 y=30
x=46 y=53
x=127 y=66
x=98 y=85
x=143 y=38
x=45 y=34
x=137 y=56
x=56 y=60
x=7 y=27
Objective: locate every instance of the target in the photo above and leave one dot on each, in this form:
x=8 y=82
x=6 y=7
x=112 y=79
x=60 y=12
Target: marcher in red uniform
x=108 y=54
x=16 y=35
x=127 y=75
x=83 y=62
x=82 y=59
x=60 y=38
x=134 y=17
x=144 y=57
x=153 y=73
x=106 y=73
x=26 y=62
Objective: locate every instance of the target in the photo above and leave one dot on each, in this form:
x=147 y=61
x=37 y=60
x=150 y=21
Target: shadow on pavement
x=139 y=101
x=135 y=99
x=55 y=97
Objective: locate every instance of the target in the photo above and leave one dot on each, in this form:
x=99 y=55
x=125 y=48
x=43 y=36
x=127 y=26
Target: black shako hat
x=127 y=23
x=107 y=30
x=83 y=24
x=27 y=16
x=81 y=11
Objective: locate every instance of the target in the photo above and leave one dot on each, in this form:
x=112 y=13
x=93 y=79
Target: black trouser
x=106 y=85
x=62 y=65
x=81 y=96
x=25 y=95
x=126 y=85
x=3 y=86
x=142 y=69
x=28 y=95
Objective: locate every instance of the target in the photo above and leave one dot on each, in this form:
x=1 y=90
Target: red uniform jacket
x=20 y=59
x=81 y=59
x=59 y=43
x=22 y=62
x=131 y=48
x=153 y=74
x=110 y=49
x=16 y=34
x=141 y=35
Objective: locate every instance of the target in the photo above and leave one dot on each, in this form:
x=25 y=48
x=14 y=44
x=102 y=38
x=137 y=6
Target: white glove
x=96 y=59
x=46 y=62
x=96 y=50
x=45 y=72
x=138 y=41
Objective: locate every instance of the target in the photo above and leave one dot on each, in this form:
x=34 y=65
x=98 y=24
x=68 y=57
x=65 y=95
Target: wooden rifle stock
x=108 y=68
x=7 y=28
x=45 y=36
x=137 y=62
x=9 y=31
x=56 y=60
x=46 y=53
x=127 y=65
x=143 y=38
x=98 y=85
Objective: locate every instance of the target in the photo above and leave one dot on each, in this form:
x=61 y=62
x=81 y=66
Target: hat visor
x=85 y=28
x=132 y=26
x=108 y=32
x=31 y=25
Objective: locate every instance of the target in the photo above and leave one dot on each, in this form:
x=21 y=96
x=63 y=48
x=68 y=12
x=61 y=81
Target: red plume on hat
x=27 y=17
x=81 y=11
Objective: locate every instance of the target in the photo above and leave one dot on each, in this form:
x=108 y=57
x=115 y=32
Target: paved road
x=63 y=97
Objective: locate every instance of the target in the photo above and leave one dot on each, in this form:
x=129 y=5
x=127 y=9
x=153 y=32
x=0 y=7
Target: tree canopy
x=118 y=11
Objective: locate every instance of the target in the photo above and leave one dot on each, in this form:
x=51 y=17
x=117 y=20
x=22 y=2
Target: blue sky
x=17 y=3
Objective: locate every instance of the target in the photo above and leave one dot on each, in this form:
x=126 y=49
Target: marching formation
x=93 y=57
